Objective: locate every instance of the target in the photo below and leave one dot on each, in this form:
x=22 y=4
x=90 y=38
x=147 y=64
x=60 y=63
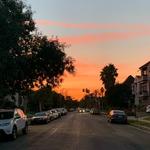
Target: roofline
x=144 y=65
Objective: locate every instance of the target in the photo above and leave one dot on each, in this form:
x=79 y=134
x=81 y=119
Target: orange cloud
x=43 y=22
x=87 y=76
x=103 y=37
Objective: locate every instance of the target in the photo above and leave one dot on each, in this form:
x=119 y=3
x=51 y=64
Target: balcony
x=144 y=79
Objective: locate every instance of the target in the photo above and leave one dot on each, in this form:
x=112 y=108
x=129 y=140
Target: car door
x=18 y=121
x=21 y=119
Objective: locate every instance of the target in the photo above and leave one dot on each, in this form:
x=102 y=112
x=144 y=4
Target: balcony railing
x=144 y=79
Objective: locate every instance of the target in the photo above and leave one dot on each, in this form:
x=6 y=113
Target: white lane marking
x=54 y=131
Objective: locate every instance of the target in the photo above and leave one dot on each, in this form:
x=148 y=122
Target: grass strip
x=139 y=123
x=147 y=118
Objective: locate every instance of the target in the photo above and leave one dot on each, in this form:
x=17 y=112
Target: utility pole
x=102 y=95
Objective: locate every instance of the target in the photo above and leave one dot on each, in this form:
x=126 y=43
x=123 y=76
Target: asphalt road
x=80 y=132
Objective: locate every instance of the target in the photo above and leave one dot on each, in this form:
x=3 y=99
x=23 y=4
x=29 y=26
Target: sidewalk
x=140 y=122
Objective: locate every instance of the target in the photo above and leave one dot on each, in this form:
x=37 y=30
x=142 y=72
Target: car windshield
x=6 y=115
x=40 y=114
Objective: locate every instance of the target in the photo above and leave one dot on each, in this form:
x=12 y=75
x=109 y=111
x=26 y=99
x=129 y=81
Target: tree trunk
x=40 y=106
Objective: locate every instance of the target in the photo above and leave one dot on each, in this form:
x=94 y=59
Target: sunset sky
x=99 y=32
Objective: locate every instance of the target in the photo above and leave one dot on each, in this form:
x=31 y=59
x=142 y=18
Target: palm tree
x=108 y=76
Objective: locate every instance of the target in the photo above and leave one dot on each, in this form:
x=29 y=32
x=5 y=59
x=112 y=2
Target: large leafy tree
x=27 y=59
x=16 y=25
x=108 y=76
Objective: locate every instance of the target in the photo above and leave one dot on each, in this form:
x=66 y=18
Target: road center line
x=54 y=131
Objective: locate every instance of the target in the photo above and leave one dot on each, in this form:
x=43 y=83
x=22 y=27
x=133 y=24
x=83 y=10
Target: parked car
x=60 y=113
x=12 y=122
x=40 y=117
x=55 y=113
x=50 y=114
x=118 y=116
x=87 y=110
x=148 y=109
x=63 y=111
x=95 y=111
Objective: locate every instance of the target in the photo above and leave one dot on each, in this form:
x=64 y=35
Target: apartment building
x=141 y=86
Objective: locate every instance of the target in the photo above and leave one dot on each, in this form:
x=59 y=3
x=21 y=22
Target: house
x=19 y=101
x=141 y=86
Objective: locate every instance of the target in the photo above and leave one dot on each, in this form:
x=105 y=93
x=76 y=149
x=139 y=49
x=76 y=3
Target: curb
x=140 y=127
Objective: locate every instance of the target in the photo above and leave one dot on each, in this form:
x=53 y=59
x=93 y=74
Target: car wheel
x=14 y=133
x=25 y=130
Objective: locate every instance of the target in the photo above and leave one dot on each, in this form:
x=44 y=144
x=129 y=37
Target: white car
x=41 y=117
x=63 y=111
x=55 y=113
x=12 y=122
x=148 y=109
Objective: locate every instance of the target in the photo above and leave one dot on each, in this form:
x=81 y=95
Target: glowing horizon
x=99 y=32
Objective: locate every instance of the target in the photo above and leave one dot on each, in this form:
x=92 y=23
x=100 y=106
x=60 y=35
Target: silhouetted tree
x=120 y=96
x=28 y=59
x=16 y=25
x=108 y=76
x=45 y=99
x=70 y=103
x=89 y=101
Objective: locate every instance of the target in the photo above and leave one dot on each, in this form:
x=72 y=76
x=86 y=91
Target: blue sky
x=100 y=32
x=106 y=11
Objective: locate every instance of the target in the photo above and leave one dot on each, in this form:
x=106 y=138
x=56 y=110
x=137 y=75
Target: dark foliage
x=108 y=76
x=120 y=96
x=27 y=59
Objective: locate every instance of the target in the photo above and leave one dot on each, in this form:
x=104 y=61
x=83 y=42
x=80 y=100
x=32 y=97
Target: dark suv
x=118 y=116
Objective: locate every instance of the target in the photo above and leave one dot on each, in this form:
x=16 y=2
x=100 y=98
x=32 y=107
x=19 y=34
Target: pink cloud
x=132 y=31
x=103 y=37
x=43 y=22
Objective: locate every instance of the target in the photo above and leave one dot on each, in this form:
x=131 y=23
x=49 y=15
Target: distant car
x=12 y=122
x=72 y=109
x=40 y=117
x=148 y=109
x=117 y=116
x=81 y=110
x=95 y=111
x=87 y=110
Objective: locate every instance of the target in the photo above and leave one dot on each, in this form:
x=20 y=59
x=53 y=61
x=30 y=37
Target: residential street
x=80 y=132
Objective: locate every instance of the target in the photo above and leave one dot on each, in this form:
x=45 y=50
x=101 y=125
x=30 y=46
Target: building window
x=144 y=73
